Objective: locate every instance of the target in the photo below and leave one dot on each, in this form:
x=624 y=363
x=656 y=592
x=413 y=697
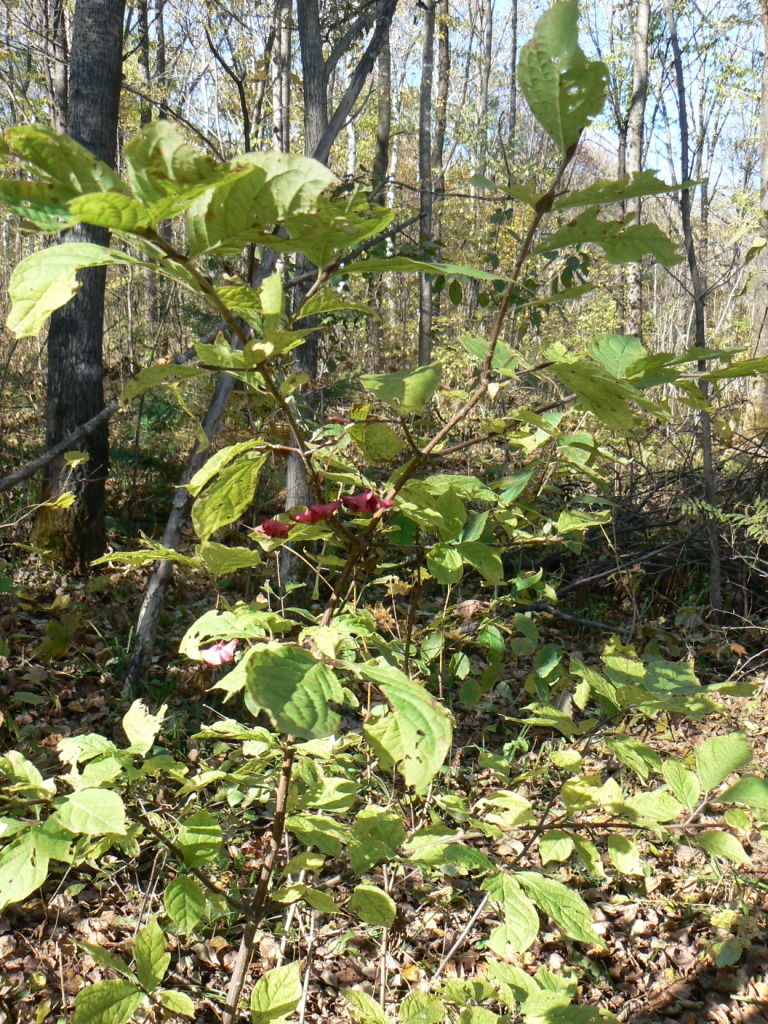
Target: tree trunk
x=281 y=82
x=442 y=29
x=160 y=59
x=513 y=82
x=425 y=178
x=700 y=315
x=757 y=407
x=378 y=193
x=635 y=135
x=145 y=110
x=56 y=30
x=75 y=536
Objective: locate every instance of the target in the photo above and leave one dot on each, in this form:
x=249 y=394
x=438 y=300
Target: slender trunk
x=376 y=285
x=425 y=178
x=758 y=392
x=281 y=82
x=486 y=22
x=75 y=536
x=160 y=58
x=621 y=170
x=56 y=29
x=145 y=109
x=635 y=138
x=513 y=82
x=442 y=29
x=700 y=314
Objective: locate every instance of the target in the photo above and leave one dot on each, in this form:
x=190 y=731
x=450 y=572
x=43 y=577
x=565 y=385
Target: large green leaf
x=152 y=957
x=520 y=921
x=296 y=690
x=276 y=994
x=220 y=559
x=23 y=868
x=330 y=229
x=599 y=393
x=141 y=727
x=566 y=908
x=720 y=756
x=616 y=352
x=279 y=185
x=621 y=241
x=38 y=202
x=564 y=90
x=228 y=496
x=723 y=844
x=406 y=391
x=153 y=376
x=184 y=903
x=93 y=812
x=47 y=279
x=62 y=161
x=616 y=190
x=415 y=734
x=160 y=163
x=372 y=905
x=750 y=790
x=111 y=210
x=200 y=838
x=107 y=1002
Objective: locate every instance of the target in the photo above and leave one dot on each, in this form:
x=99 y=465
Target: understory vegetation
x=475 y=732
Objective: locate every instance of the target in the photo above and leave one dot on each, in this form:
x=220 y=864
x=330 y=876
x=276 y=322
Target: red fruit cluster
x=363 y=504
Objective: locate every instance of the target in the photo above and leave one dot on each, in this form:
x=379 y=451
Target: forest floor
x=61 y=673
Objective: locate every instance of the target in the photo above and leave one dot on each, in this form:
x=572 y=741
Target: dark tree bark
x=512 y=81
x=75 y=536
x=425 y=178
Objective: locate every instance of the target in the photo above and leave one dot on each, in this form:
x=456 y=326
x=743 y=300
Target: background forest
x=383 y=586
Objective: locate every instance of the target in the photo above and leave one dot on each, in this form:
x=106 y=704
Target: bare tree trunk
x=145 y=109
x=56 y=31
x=425 y=178
x=700 y=314
x=160 y=58
x=442 y=29
x=378 y=194
x=75 y=536
x=281 y=83
x=758 y=391
x=513 y=81
x=635 y=136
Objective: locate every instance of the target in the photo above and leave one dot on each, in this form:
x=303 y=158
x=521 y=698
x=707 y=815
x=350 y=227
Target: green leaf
x=407 y=391
x=141 y=727
x=720 y=756
x=23 y=868
x=276 y=994
x=152 y=956
x=200 y=838
x=160 y=163
x=372 y=905
x=750 y=790
x=589 y=856
x=564 y=90
x=106 y=959
x=295 y=689
x=616 y=352
x=445 y=564
x=107 y=1002
x=745 y=368
x=364 y=1007
x=93 y=812
x=37 y=202
x=656 y=805
x=566 y=908
x=47 y=280
x=616 y=190
x=641 y=758
x=622 y=242
x=278 y=186
x=230 y=494
x=215 y=464
x=62 y=161
x=112 y=210
x=318 y=830
x=520 y=921
x=600 y=394
x=377 y=442
x=723 y=844
x=177 y=1002
x=555 y=846
x=184 y=903
x=153 y=376
x=421 y=1008
x=416 y=734
x=220 y=559
x=376 y=836
x=484 y=558
x=625 y=855
x=404 y=264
